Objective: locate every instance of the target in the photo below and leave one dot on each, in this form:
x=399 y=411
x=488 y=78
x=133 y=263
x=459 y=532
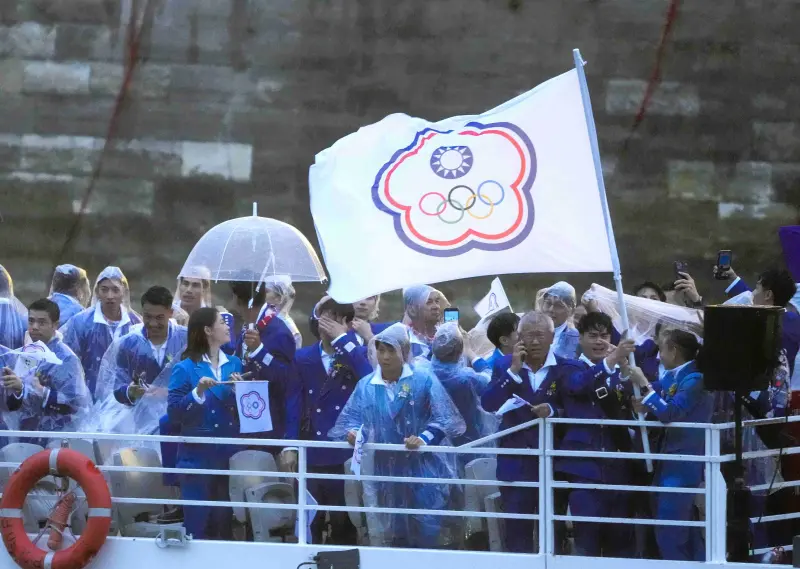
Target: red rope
x=655 y=75
x=133 y=41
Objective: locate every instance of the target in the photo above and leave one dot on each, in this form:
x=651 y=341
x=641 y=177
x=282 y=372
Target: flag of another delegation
x=512 y=190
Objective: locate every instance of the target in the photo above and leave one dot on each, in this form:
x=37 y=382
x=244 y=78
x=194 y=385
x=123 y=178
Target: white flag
x=310 y=515
x=358 y=451
x=252 y=402
x=31 y=355
x=493 y=302
x=512 y=190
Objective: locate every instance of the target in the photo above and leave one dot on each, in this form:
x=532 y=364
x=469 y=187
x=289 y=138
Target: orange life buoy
x=62 y=462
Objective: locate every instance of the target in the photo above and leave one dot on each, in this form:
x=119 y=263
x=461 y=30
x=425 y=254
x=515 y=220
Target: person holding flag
x=402 y=403
x=524 y=387
x=202 y=405
x=51 y=396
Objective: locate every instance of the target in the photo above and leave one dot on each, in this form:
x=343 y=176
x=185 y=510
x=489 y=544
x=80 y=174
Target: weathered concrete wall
x=234 y=97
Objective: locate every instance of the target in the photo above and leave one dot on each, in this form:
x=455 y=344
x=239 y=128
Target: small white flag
x=252 y=402
x=31 y=355
x=358 y=451
x=514 y=403
x=493 y=302
x=310 y=515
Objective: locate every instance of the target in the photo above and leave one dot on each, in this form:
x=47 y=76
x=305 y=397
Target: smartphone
x=724 y=259
x=680 y=267
x=451 y=314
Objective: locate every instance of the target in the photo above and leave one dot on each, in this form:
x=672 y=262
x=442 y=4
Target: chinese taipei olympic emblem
x=453 y=191
x=253 y=405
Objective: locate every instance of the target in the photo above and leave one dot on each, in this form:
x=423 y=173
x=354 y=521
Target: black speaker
x=740 y=347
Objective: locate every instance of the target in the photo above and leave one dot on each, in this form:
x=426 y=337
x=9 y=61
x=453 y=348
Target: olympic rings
x=450 y=199
x=491 y=211
x=439 y=209
x=463 y=207
x=499 y=185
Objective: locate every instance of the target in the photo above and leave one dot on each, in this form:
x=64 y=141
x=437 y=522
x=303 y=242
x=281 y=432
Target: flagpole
x=612 y=244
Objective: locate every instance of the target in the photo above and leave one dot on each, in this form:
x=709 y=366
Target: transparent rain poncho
x=252 y=248
x=560 y=292
x=281 y=293
x=414 y=300
x=130 y=359
x=207 y=299
x=88 y=333
x=68 y=304
x=67 y=400
x=463 y=384
x=644 y=314
x=390 y=412
x=13 y=314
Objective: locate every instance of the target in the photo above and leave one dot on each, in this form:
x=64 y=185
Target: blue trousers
x=519 y=533
x=169 y=451
x=601 y=539
x=678 y=543
x=206 y=522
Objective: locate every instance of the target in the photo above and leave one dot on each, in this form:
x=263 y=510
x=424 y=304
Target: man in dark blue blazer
x=523 y=388
x=324 y=377
x=677 y=397
x=591 y=389
x=267 y=348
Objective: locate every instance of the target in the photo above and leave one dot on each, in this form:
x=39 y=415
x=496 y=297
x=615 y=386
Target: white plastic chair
x=263 y=520
x=255 y=460
x=133 y=520
x=484 y=499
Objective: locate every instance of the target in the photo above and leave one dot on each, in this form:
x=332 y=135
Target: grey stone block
x=778 y=141
x=225 y=160
x=750 y=183
x=780 y=213
x=624 y=96
x=74 y=155
x=786 y=182
x=56 y=78
x=142 y=158
x=78 y=115
x=692 y=180
x=9 y=153
x=80 y=11
x=11 y=76
x=86 y=42
x=148 y=82
x=28 y=40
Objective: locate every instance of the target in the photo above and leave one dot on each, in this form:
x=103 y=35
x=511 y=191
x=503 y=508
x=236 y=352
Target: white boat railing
x=714 y=490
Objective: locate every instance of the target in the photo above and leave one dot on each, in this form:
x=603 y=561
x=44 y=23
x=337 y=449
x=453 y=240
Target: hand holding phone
x=451 y=314
x=722 y=269
x=680 y=267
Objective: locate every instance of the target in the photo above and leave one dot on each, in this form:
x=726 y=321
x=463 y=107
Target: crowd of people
x=169 y=366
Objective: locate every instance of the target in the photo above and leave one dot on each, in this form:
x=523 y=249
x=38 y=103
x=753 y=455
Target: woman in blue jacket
x=202 y=407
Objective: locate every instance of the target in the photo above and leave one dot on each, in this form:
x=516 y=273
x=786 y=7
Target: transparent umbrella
x=252 y=248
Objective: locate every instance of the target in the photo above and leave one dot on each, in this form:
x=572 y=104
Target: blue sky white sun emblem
x=451 y=162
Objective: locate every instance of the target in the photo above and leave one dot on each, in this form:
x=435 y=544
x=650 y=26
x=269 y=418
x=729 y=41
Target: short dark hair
x=244 y=291
x=158 y=296
x=346 y=311
x=501 y=325
x=654 y=286
x=780 y=283
x=685 y=342
x=67 y=279
x=46 y=305
x=596 y=322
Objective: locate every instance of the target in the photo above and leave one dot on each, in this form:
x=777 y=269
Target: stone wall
x=232 y=99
